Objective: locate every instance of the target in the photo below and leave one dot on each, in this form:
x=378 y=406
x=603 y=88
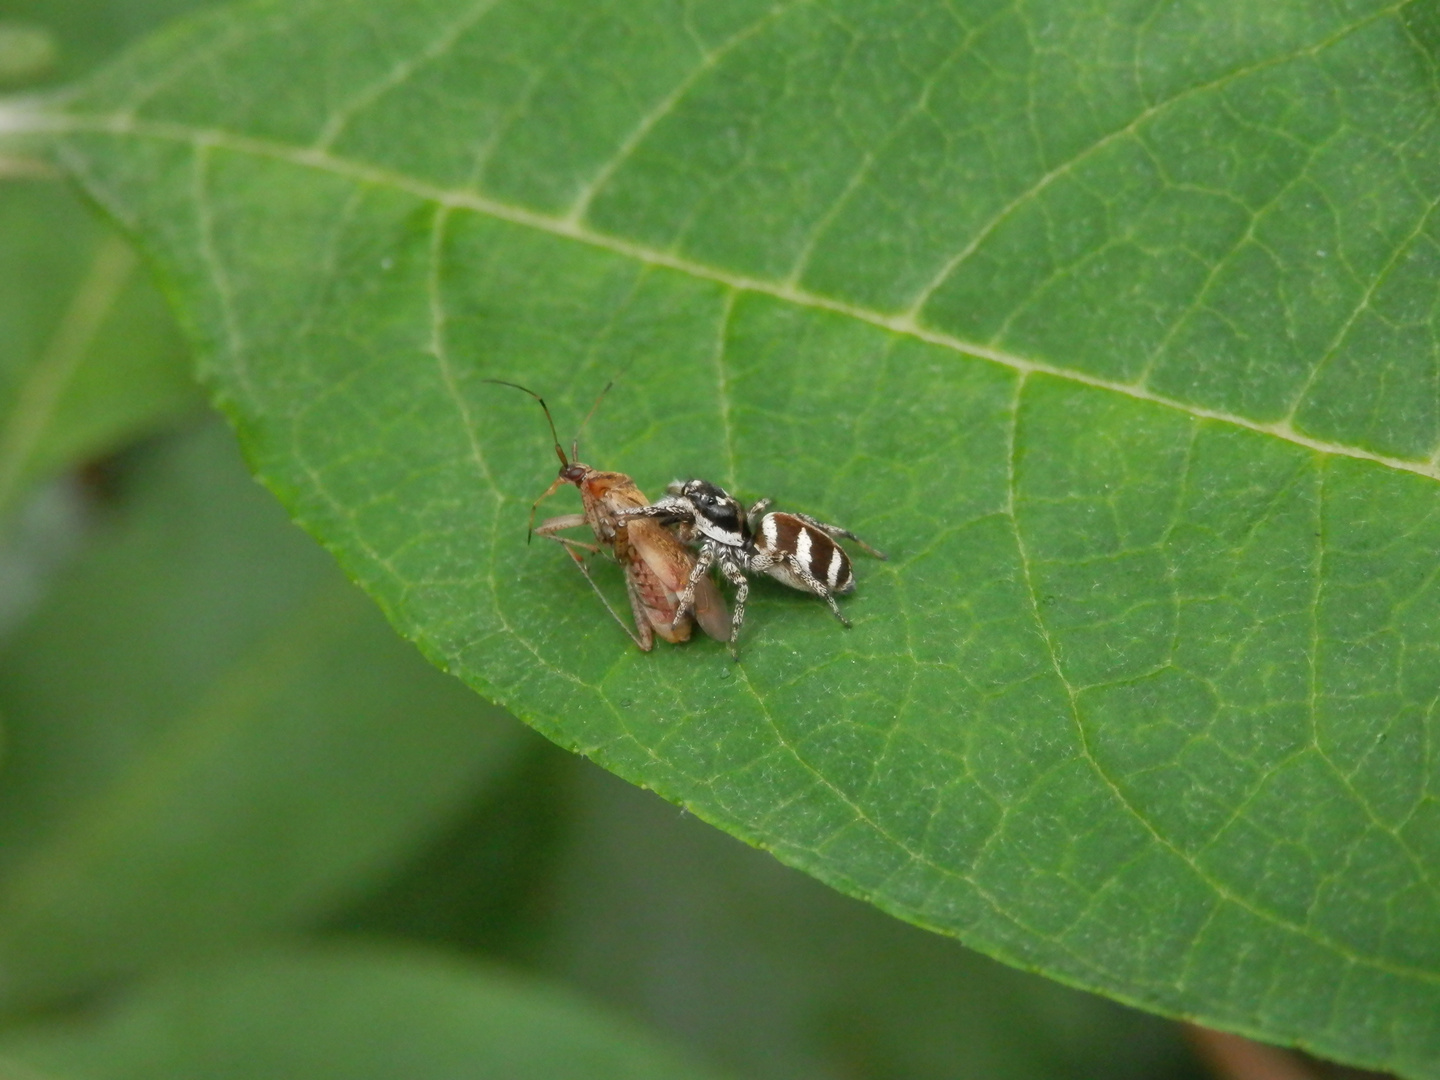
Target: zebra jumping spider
x=795 y=549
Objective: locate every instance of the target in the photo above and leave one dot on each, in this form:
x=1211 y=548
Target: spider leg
x=736 y=577
x=667 y=510
x=756 y=512
x=686 y=603
x=818 y=587
x=835 y=532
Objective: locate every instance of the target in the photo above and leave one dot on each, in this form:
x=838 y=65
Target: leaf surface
x=1115 y=328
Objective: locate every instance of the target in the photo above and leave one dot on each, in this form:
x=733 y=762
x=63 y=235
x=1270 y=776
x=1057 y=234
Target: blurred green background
x=246 y=831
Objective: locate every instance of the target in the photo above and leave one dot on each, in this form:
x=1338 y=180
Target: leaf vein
x=1361 y=306
x=1065 y=167
x=400 y=73
x=663 y=108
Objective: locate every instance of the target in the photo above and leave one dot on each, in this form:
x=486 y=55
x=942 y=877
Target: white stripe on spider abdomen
x=783 y=534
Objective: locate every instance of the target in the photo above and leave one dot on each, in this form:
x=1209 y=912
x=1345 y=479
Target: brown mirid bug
x=658 y=566
x=796 y=549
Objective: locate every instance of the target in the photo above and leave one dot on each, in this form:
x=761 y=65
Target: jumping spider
x=796 y=549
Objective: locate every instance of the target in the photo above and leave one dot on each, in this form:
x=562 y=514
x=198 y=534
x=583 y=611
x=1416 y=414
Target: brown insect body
x=657 y=564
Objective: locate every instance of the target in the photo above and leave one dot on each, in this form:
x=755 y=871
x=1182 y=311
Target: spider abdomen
x=782 y=537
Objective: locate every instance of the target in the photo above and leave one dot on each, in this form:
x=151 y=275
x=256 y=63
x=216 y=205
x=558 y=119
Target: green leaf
x=1116 y=328
x=351 y=1013
x=210 y=735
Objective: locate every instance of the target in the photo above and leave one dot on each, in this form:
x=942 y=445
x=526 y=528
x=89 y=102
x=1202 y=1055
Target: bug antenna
x=575 y=446
x=559 y=450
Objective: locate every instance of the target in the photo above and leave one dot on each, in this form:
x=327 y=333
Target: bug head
x=717 y=513
x=571 y=470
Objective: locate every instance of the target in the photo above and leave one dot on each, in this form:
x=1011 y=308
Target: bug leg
x=574 y=547
x=835 y=532
x=736 y=577
x=645 y=643
x=548 y=529
x=551 y=524
x=686 y=603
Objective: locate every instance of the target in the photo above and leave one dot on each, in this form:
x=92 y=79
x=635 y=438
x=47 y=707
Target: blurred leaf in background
x=90 y=357
x=352 y=1014
x=63 y=40
x=211 y=734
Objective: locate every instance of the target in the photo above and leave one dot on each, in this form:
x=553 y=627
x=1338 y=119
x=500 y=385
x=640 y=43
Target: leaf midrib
x=906 y=324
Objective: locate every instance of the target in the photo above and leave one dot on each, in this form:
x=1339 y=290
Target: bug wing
x=655 y=557
x=671 y=562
